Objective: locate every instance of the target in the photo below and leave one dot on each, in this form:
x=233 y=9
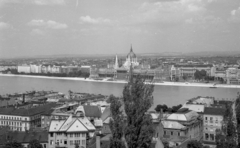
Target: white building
x=35 y=68
x=73 y=130
x=24 y=69
x=131 y=60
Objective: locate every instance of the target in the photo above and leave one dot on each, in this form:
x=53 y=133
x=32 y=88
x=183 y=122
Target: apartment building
x=23 y=119
x=233 y=76
x=182 y=126
x=76 y=129
x=212 y=119
x=189 y=70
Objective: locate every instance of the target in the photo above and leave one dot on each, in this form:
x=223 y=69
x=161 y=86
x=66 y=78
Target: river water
x=170 y=95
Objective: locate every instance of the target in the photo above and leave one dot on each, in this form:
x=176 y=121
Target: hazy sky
x=52 y=27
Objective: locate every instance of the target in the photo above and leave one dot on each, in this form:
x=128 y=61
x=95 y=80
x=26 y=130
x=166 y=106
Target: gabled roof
x=27 y=112
x=106 y=113
x=186 y=115
x=80 y=124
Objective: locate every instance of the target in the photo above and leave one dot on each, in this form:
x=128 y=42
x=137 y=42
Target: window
x=165 y=133
x=51 y=134
x=51 y=142
x=77 y=134
x=178 y=133
x=206 y=136
x=83 y=142
x=212 y=137
x=65 y=142
x=44 y=145
x=71 y=135
x=171 y=133
x=83 y=135
x=71 y=142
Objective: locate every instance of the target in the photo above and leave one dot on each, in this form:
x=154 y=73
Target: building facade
x=76 y=129
x=182 y=126
x=212 y=119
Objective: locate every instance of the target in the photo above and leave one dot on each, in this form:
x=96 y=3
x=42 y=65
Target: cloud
x=36 y=2
x=169 y=11
x=87 y=19
x=235 y=16
x=37 y=32
x=49 y=2
x=3 y=25
x=210 y=19
x=48 y=24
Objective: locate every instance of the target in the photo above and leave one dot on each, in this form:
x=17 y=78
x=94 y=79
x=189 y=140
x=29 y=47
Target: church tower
x=116 y=66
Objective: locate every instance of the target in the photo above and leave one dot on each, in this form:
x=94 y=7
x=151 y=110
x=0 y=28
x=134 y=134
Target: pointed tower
x=116 y=66
x=130 y=74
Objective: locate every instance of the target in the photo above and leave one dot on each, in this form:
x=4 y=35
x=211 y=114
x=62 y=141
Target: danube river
x=170 y=95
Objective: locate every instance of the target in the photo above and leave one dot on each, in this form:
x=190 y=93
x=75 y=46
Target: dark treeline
x=70 y=74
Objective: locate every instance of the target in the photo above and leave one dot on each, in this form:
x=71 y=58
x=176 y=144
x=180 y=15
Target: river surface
x=170 y=95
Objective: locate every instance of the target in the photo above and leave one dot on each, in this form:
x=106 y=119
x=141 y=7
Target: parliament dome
x=131 y=54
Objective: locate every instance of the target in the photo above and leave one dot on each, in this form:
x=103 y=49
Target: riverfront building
x=189 y=70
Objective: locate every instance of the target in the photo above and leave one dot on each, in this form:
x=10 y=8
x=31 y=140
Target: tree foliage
x=13 y=144
x=35 y=144
x=117 y=124
x=227 y=137
x=194 y=144
x=138 y=128
x=199 y=75
x=237 y=112
x=164 y=108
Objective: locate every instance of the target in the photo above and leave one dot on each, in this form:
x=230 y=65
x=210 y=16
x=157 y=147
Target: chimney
x=98 y=141
x=160 y=117
x=23 y=99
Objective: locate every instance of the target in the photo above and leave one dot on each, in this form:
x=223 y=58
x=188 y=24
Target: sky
x=76 y=27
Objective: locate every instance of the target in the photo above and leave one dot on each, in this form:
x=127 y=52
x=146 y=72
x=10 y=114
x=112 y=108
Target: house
x=76 y=129
x=23 y=119
x=182 y=126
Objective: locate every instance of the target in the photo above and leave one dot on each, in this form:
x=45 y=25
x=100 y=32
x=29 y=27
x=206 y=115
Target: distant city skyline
x=57 y=27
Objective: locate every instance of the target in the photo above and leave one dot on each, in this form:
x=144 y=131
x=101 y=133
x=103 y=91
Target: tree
x=13 y=144
x=35 y=144
x=138 y=127
x=117 y=124
x=176 y=108
x=227 y=137
x=194 y=144
x=184 y=77
x=200 y=74
x=138 y=99
x=165 y=144
x=164 y=108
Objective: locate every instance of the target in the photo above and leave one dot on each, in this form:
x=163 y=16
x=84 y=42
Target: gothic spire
x=116 y=66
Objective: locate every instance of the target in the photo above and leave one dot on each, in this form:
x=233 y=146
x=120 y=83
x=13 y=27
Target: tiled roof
x=106 y=113
x=214 y=111
x=27 y=112
x=80 y=124
x=92 y=111
x=26 y=137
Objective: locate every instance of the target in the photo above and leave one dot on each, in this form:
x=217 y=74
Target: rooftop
x=214 y=111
